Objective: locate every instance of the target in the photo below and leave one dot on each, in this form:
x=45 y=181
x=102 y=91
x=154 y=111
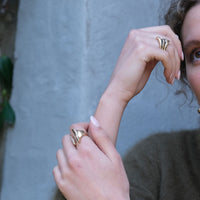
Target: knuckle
x=54 y=171
x=86 y=150
x=72 y=126
x=57 y=178
x=133 y=33
x=58 y=153
x=167 y=27
x=140 y=49
x=73 y=162
x=64 y=139
x=62 y=185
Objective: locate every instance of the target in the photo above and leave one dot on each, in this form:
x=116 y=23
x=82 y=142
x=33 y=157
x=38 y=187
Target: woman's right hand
x=138 y=58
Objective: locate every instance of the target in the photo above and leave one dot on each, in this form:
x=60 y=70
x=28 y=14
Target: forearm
x=109 y=112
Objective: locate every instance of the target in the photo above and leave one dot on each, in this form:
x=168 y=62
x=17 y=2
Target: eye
x=195 y=56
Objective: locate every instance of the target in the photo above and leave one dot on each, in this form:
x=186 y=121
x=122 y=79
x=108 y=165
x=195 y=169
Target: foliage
x=7 y=114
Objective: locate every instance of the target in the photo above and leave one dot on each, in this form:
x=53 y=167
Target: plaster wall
x=65 y=53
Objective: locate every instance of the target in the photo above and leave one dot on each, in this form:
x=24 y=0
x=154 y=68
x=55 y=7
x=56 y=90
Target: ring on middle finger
x=163 y=43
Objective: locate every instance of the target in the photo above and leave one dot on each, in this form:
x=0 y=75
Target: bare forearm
x=109 y=112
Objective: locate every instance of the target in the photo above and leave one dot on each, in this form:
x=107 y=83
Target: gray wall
x=65 y=53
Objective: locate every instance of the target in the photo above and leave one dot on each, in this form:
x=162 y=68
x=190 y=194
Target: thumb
x=101 y=139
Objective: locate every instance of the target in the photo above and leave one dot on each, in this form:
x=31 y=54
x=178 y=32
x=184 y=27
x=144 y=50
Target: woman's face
x=191 y=48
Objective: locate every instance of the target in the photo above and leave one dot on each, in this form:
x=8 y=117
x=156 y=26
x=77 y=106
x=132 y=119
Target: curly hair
x=175 y=18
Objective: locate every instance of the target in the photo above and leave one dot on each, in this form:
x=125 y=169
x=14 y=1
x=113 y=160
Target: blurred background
x=64 y=53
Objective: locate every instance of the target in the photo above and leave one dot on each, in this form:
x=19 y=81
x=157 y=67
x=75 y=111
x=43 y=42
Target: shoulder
x=165 y=140
x=153 y=159
x=157 y=146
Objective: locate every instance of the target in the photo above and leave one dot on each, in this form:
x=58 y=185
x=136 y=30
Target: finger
x=80 y=125
x=148 y=39
x=62 y=162
x=165 y=57
x=178 y=64
x=87 y=150
x=57 y=175
x=175 y=62
x=69 y=149
x=101 y=139
x=167 y=32
x=146 y=76
x=173 y=52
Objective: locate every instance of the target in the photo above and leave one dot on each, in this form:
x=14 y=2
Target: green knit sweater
x=164 y=167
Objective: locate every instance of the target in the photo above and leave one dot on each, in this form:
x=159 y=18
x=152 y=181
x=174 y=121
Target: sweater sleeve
x=143 y=171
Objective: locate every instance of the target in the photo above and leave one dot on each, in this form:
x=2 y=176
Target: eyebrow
x=191 y=43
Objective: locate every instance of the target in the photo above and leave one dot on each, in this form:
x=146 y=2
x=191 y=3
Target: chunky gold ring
x=78 y=134
x=73 y=141
x=163 y=43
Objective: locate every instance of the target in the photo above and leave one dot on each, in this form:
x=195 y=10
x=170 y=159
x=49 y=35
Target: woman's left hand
x=93 y=169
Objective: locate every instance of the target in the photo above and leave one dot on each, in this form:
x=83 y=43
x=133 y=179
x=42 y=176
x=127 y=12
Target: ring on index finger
x=163 y=43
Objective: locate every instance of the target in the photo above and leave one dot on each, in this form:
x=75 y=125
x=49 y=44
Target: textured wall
x=65 y=53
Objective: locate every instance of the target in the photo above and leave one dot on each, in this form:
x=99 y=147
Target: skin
x=94 y=169
x=191 y=46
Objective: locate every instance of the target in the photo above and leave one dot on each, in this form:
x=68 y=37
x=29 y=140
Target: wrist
x=109 y=112
x=117 y=95
x=114 y=100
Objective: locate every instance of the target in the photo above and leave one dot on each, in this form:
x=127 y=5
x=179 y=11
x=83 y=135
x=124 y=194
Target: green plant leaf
x=6 y=72
x=8 y=113
x=1 y=120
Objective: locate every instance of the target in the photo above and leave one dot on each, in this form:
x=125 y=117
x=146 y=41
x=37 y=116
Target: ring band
x=73 y=141
x=163 y=43
x=78 y=134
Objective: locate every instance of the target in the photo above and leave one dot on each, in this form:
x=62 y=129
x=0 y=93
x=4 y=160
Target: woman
x=164 y=166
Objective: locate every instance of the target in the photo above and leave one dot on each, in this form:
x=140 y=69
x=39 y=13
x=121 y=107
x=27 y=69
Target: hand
x=138 y=58
x=93 y=170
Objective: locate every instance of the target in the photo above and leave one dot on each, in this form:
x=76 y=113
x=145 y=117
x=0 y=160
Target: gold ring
x=73 y=141
x=163 y=43
x=78 y=134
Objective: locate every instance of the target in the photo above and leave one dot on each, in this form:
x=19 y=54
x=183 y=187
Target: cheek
x=193 y=77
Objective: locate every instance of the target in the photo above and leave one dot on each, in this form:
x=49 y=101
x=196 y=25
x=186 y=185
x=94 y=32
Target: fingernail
x=171 y=77
x=179 y=74
x=177 y=36
x=94 y=121
x=182 y=56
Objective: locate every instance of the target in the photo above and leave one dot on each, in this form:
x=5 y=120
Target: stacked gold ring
x=76 y=138
x=163 y=43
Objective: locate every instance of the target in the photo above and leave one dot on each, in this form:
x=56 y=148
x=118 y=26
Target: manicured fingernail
x=94 y=121
x=182 y=56
x=179 y=74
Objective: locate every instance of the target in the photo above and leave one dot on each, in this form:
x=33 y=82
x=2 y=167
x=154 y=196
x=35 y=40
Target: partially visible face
x=191 y=48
